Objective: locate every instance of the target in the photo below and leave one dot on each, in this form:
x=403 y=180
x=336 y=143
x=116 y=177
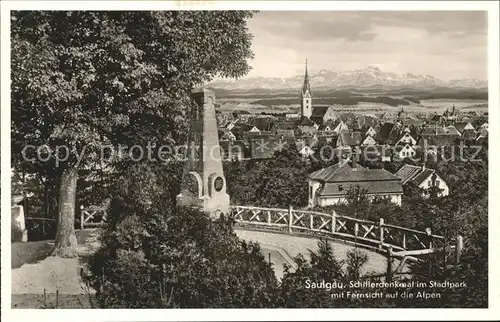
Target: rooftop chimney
x=354 y=161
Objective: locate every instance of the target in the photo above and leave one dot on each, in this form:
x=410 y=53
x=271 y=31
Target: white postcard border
x=9 y=314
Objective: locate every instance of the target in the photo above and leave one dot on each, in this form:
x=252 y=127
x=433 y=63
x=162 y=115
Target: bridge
x=398 y=244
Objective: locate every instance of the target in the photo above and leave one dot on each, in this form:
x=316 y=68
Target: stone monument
x=203 y=183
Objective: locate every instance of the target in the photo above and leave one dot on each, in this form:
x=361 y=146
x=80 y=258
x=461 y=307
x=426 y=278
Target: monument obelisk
x=203 y=183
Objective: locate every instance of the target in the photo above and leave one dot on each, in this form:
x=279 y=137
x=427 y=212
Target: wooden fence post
x=381 y=235
x=311 y=221
x=81 y=217
x=356 y=229
x=334 y=221
x=290 y=218
x=388 y=277
x=458 y=248
x=429 y=233
x=269 y=216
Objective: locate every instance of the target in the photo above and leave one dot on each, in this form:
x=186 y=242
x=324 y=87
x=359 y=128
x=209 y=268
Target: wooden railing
x=40 y=228
x=92 y=216
x=400 y=241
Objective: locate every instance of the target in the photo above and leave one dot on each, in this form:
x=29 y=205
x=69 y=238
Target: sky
x=444 y=44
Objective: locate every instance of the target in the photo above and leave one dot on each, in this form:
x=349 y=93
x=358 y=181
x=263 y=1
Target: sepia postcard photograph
x=181 y=155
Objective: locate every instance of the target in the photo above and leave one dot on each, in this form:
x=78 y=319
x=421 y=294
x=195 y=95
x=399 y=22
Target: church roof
x=319 y=110
x=305 y=121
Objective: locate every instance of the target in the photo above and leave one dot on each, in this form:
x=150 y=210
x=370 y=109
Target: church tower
x=306 y=97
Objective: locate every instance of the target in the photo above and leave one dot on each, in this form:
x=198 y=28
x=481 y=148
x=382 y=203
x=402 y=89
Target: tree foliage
x=279 y=182
x=82 y=80
x=156 y=255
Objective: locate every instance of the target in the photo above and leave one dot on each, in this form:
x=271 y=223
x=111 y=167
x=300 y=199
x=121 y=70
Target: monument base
x=214 y=206
x=217 y=206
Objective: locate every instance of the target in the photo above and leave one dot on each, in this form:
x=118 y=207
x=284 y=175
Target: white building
x=329 y=186
x=424 y=178
x=404 y=151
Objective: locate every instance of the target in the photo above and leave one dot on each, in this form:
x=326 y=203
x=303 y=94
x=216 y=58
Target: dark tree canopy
x=88 y=78
x=83 y=80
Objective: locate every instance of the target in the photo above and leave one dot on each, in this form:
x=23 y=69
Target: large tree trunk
x=65 y=244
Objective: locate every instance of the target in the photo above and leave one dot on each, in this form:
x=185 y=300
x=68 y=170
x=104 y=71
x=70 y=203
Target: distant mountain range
x=371 y=76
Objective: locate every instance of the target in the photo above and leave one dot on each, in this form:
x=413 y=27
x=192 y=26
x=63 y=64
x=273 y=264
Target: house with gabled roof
x=424 y=178
x=325 y=128
x=341 y=126
x=482 y=135
x=349 y=139
x=254 y=129
x=306 y=151
x=328 y=186
x=464 y=126
x=406 y=139
x=371 y=132
x=450 y=129
x=368 y=140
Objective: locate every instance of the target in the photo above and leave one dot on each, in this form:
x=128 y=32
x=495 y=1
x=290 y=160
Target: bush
x=155 y=254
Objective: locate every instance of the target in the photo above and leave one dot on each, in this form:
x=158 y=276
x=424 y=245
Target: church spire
x=306 y=87
x=306 y=97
